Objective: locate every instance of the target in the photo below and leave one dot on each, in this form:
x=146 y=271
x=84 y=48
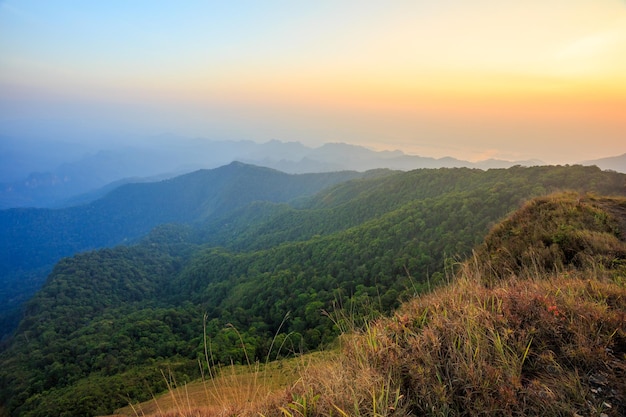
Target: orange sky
x=509 y=79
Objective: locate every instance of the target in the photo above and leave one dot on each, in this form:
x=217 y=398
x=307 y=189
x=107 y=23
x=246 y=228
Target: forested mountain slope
x=532 y=325
x=32 y=240
x=107 y=321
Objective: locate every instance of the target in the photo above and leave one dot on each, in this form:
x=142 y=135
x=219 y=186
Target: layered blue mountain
x=61 y=173
x=44 y=173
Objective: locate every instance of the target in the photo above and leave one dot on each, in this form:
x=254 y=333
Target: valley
x=264 y=279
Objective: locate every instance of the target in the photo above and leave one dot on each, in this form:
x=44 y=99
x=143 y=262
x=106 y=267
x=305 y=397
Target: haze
x=473 y=80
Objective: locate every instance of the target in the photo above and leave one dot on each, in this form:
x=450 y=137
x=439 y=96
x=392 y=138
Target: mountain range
x=44 y=173
x=32 y=240
x=251 y=257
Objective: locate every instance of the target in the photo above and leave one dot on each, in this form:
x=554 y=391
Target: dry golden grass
x=550 y=347
x=233 y=390
x=546 y=337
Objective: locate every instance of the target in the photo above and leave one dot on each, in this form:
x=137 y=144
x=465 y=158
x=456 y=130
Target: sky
x=538 y=79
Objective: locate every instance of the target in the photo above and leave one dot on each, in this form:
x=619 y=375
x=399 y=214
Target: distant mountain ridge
x=87 y=169
x=614 y=163
x=333 y=156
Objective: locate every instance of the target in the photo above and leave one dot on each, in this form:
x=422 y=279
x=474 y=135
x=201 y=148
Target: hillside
x=107 y=322
x=548 y=337
x=33 y=240
x=521 y=335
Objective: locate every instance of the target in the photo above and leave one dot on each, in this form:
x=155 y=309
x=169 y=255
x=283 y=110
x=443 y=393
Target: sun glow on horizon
x=376 y=71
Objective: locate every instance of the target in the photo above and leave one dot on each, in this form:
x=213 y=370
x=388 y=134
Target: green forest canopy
x=106 y=322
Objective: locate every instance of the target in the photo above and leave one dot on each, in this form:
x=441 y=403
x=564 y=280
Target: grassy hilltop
x=534 y=323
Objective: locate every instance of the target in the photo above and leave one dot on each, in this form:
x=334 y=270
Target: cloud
x=593 y=45
x=602 y=52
